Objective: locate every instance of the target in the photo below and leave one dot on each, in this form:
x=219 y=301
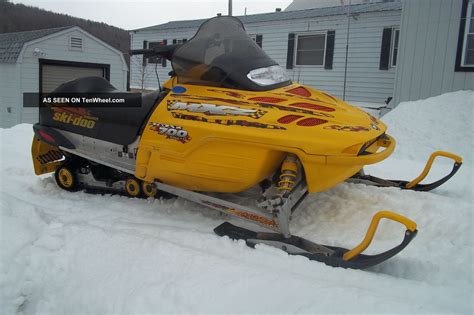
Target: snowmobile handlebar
x=165 y=51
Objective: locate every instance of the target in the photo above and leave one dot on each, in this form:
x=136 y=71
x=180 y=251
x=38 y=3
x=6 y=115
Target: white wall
x=429 y=36
x=366 y=83
x=57 y=48
x=9 y=94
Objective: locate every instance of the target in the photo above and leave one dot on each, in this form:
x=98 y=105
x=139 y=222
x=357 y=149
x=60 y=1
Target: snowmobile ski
x=414 y=184
x=330 y=255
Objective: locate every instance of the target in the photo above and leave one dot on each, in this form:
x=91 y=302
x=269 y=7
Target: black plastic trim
x=60 y=140
x=331 y=35
x=290 y=55
x=385 y=49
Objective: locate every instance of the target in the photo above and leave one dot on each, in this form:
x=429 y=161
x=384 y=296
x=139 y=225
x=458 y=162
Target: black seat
x=111 y=122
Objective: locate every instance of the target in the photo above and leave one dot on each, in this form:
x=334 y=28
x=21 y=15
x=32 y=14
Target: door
x=55 y=75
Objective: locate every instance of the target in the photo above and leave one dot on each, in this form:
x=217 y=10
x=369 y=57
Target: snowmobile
x=227 y=120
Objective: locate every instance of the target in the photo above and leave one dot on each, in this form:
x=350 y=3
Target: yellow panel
x=223 y=140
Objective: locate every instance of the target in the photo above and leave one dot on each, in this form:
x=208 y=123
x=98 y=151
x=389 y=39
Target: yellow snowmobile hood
x=294 y=116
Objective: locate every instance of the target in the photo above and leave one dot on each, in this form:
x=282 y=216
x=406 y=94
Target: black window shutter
x=329 y=49
x=174 y=41
x=184 y=40
x=385 y=50
x=145 y=46
x=259 y=40
x=163 y=59
x=291 y=51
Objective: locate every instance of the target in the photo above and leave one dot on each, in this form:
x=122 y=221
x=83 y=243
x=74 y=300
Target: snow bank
x=439 y=123
x=66 y=252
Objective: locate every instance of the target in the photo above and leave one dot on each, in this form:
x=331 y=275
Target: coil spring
x=288 y=174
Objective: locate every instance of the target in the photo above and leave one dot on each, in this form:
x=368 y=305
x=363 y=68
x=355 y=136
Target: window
x=465 y=52
x=389 y=47
x=257 y=38
x=468 y=42
x=310 y=49
x=394 y=48
x=179 y=41
x=75 y=43
x=154 y=59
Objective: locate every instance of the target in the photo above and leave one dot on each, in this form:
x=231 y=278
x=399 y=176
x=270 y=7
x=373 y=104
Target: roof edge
x=157 y=26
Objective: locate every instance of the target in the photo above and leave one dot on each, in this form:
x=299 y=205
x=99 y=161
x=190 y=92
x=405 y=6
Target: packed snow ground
x=67 y=252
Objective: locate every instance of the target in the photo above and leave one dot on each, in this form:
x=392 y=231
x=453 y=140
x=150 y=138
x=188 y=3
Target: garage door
x=54 y=75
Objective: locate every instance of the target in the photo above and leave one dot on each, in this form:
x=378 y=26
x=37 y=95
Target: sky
x=136 y=14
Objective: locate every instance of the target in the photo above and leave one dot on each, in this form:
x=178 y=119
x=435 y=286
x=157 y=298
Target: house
x=436 y=49
x=41 y=60
x=310 y=43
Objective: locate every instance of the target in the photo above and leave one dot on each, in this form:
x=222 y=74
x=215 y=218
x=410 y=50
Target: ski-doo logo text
x=171 y=132
x=75 y=120
x=218 y=110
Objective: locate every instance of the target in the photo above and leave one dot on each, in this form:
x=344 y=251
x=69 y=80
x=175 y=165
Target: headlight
x=268 y=75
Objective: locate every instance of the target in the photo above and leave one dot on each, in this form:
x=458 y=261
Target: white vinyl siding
x=310 y=49
x=10 y=96
x=429 y=34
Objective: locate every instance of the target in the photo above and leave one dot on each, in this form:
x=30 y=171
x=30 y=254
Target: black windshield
x=222 y=54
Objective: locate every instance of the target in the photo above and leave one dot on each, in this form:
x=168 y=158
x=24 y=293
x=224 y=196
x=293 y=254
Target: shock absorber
x=288 y=174
x=278 y=204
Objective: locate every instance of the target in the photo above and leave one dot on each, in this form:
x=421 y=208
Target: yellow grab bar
x=409 y=224
x=428 y=165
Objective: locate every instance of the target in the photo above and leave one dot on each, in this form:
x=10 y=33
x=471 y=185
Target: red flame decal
x=313 y=106
x=308 y=122
x=288 y=119
x=267 y=99
x=301 y=91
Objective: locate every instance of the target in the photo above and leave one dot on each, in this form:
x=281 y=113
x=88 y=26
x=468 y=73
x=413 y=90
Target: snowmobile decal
x=267 y=99
x=227 y=122
x=228 y=93
x=171 y=132
x=79 y=117
x=313 y=106
x=243 y=214
x=374 y=120
x=253 y=217
x=294 y=109
x=301 y=91
x=347 y=128
x=212 y=99
x=263 y=105
x=217 y=110
x=311 y=99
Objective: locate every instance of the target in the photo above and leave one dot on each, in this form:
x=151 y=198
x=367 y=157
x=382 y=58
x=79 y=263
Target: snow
x=64 y=252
